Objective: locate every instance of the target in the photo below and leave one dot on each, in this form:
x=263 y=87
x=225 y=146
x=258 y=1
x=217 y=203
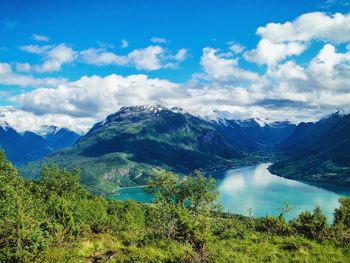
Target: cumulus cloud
x=53 y=56
x=223 y=88
x=271 y=53
x=96 y=96
x=281 y=93
x=26 y=121
x=8 y=77
x=217 y=66
x=153 y=57
x=282 y=40
x=35 y=49
x=42 y=38
x=101 y=57
x=149 y=58
x=330 y=69
x=310 y=26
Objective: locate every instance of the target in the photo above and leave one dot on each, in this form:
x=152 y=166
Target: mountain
x=58 y=138
x=21 y=148
x=317 y=152
x=126 y=147
x=29 y=146
x=250 y=135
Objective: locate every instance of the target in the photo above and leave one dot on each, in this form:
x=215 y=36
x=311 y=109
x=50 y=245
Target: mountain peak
x=47 y=129
x=5 y=125
x=333 y=116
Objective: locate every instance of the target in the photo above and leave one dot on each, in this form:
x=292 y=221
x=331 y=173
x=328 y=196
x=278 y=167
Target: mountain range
x=125 y=148
x=21 y=148
x=317 y=152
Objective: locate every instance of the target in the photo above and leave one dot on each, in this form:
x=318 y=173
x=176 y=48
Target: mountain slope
x=126 y=147
x=251 y=136
x=317 y=152
x=59 y=138
x=29 y=146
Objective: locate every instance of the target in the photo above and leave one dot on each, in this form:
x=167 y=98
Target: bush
x=342 y=214
x=275 y=225
x=311 y=225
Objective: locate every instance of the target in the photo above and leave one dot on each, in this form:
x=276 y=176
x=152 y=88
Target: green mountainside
x=125 y=148
x=317 y=152
x=55 y=219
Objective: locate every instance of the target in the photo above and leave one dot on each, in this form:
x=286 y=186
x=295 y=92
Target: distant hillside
x=29 y=146
x=124 y=149
x=249 y=135
x=317 y=152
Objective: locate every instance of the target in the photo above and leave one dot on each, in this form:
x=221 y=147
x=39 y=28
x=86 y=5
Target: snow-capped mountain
x=21 y=148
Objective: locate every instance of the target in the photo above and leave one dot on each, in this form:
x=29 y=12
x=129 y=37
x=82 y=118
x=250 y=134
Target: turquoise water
x=255 y=188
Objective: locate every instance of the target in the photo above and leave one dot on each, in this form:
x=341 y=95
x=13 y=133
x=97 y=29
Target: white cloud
x=289 y=70
x=330 y=70
x=282 y=40
x=287 y=90
x=102 y=57
x=218 y=67
x=181 y=54
x=147 y=58
x=158 y=40
x=8 y=77
x=35 y=49
x=309 y=26
x=236 y=48
x=23 y=67
x=26 y=121
x=95 y=97
x=270 y=53
x=53 y=56
x=124 y=43
x=42 y=38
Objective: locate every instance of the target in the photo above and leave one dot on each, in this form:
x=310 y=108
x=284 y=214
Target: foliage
x=56 y=220
x=183 y=207
x=311 y=225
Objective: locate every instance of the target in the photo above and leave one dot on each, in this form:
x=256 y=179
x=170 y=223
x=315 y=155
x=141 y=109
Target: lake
x=255 y=188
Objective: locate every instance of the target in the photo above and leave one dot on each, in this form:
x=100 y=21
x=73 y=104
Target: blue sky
x=208 y=57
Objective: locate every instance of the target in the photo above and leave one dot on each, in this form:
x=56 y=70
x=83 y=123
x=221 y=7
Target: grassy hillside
x=56 y=220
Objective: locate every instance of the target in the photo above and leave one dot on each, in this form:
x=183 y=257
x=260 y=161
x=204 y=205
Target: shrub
x=311 y=225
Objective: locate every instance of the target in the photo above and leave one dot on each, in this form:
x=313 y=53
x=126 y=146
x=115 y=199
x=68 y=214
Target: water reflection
x=256 y=188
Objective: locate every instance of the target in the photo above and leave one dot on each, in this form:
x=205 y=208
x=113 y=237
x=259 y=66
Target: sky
x=71 y=63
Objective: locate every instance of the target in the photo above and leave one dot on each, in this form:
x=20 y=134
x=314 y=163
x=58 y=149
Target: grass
x=251 y=247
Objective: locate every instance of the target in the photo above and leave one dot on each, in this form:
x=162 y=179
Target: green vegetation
x=126 y=148
x=317 y=152
x=55 y=219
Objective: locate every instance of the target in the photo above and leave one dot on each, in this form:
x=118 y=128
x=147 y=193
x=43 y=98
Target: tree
x=342 y=214
x=311 y=225
x=183 y=207
x=20 y=234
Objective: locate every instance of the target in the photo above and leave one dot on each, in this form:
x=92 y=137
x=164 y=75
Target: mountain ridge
x=126 y=147
x=317 y=152
x=21 y=148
